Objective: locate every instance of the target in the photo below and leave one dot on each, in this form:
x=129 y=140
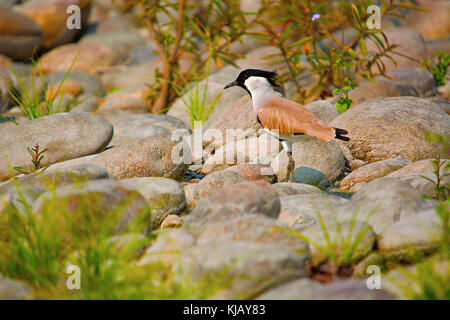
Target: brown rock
x=90 y=58
x=235 y=201
x=415 y=168
x=216 y=181
x=172 y=221
x=253 y=228
x=410 y=43
x=20 y=36
x=253 y=171
x=372 y=171
x=146 y=157
x=387 y=128
x=51 y=16
x=65 y=135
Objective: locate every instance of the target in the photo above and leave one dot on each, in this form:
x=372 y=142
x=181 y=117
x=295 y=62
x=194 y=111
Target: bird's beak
x=231 y=84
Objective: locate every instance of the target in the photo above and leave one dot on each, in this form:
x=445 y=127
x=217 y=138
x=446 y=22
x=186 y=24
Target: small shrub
x=439 y=69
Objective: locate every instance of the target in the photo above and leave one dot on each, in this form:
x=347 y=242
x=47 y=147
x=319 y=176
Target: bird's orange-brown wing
x=288 y=118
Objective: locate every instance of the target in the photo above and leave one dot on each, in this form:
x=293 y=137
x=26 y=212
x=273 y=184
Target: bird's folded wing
x=288 y=118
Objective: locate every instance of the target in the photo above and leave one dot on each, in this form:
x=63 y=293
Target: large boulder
x=86 y=57
x=65 y=135
x=144 y=125
x=409 y=42
x=371 y=171
x=51 y=16
x=240 y=270
x=144 y=157
x=20 y=36
x=386 y=128
x=383 y=202
x=97 y=205
x=164 y=196
x=237 y=200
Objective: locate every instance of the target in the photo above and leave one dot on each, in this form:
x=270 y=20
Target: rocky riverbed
x=212 y=211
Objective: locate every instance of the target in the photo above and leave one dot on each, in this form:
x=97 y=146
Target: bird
x=284 y=119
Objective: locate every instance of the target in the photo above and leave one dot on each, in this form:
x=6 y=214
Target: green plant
x=37 y=100
x=189 y=33
x=340 y=252
x=37 y=247
x=344 y=102
x=332 y=58
x=439 y=69
x=36 y=158
x=424 y=281
x=196 y=106
x=440 y=191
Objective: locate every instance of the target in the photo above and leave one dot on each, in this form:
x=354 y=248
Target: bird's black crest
x=271 y=76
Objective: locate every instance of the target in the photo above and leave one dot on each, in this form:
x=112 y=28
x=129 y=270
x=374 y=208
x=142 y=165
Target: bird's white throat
x=261 y=90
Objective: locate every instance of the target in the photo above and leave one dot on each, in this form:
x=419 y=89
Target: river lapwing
x=284 y=119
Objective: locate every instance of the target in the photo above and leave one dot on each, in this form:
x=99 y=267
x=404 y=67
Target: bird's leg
x=291 y=168
x=291 y=165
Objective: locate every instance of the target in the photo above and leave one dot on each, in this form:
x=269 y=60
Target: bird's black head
x=271 y=77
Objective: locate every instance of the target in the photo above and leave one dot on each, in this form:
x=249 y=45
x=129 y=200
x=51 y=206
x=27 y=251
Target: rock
x=131 y=99
x=424 y=186
x=419 y=78
x=253 y=228
x=20 y=36
x=420 y=233
x=164 y=196
x=299 y=210
x=350 y=289
x=52 y=17
x=91 y=85
x=432 y=23
x=65 y=135
x=253 y=171
x=216 y=181
x=189 y=193
x=137 y=126
x=11 y=197
x=241 y=151
x=102 y=205
x=310 y=176
x=134 y=76
x=415 y=168
x=234 y=111
x=120 y=41
x=90 y=58
x=240 y=270
x=252 y=197
x=300 y=289
x=416 y=82
x=398 y=125
x=291 y=189
x=14 y=290
x=145 y=157
x=405 y=39
x=141 y=54
x=172 y=221
x=55 y=176
x=168 y=247
x=307 y=289
x=372 y=171
x=323 y=110
x=384 y=201
x=325 y=157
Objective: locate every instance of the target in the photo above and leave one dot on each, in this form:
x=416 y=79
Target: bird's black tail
x=340 y=134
